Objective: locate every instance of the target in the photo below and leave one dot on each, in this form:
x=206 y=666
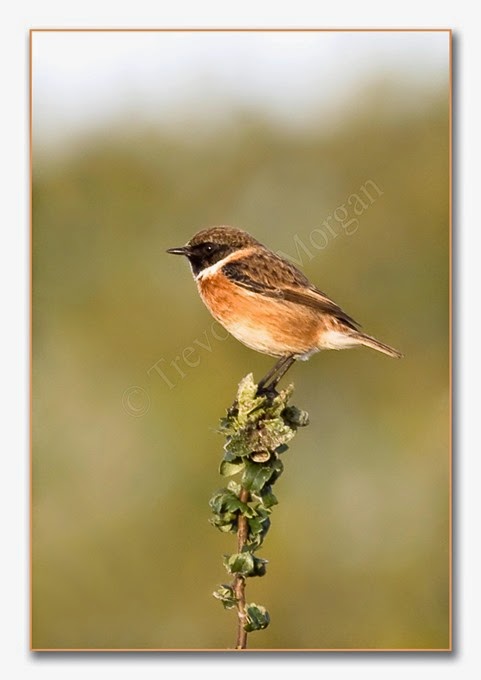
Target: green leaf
x=258 y=528
x=257 y=617
x=233 y=504
x=226 y=595
x=240 y=563
x=217 y=501
x=268 y=498
x=260 y=566
x=225 y=522
x=226 y=501
x=229 y=468
x=235 y=487
x=247 y=401
x=238 y=445
x=275 y=433
x=295 y=416
x=256 y=525
x=278 y=469
x=256 y=475
x=247 y=389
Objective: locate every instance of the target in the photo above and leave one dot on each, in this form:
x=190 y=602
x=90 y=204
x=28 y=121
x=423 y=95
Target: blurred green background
x=125 y=448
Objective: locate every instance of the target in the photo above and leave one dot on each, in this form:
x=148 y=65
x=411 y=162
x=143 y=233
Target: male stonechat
x=266 y=302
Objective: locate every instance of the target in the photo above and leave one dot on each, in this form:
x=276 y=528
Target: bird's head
x=213 y=244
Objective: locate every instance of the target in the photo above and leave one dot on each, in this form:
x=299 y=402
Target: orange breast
x=271 y=326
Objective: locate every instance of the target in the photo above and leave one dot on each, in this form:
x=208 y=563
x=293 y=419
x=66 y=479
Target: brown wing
x=268 y=274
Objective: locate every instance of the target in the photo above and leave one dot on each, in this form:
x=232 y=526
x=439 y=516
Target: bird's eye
x=209 y=248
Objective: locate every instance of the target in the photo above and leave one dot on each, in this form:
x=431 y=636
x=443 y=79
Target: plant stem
x=257 y=427
x=240 y=581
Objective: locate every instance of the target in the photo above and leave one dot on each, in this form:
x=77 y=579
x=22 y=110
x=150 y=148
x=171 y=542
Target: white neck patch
x=214 y=268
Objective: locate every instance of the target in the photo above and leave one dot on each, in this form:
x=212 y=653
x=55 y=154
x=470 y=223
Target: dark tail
x=369 y=341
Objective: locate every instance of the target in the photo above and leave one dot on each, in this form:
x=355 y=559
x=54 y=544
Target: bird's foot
x=268 y=391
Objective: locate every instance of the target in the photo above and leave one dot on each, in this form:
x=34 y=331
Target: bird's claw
x=268 y=391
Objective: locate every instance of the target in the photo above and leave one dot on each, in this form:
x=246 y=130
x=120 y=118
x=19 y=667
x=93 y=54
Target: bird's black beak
x=183 y=250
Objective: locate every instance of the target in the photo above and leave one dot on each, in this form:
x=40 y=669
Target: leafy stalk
x=257 y=430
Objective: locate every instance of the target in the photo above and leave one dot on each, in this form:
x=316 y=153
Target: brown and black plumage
x=265 y=301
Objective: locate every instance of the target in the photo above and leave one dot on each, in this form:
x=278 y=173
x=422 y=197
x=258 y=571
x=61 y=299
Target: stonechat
x=266 y=302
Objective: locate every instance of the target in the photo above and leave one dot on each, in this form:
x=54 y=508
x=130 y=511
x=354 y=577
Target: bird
x=266 y=302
